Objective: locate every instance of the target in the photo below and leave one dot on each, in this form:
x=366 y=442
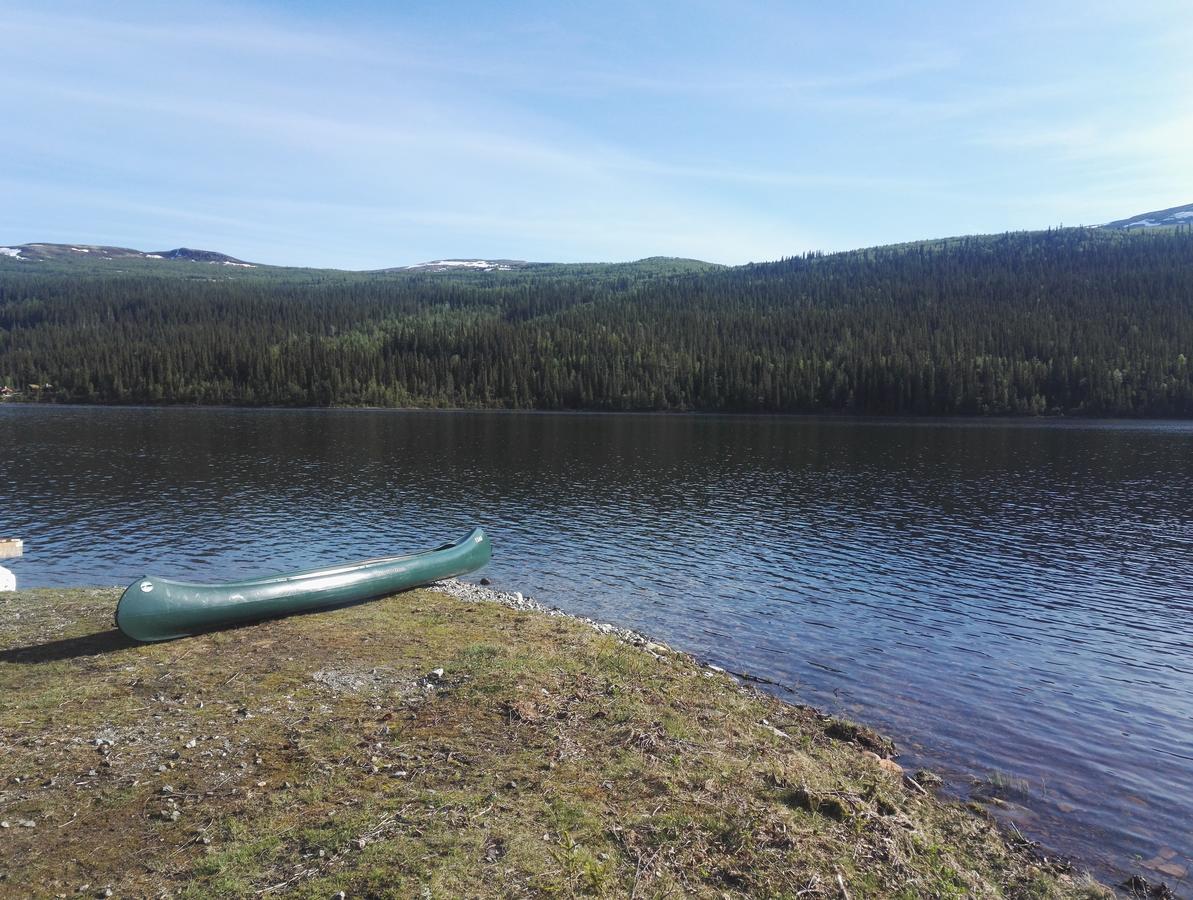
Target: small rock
x=4 y=825
x=360 y=843
x=26 y=823
x=106 y=892
x=339 y=895
x=928 y=778
x=190 y=745
x=486 y=582
x=167 y=789
x=889 y=765
x=777 y=732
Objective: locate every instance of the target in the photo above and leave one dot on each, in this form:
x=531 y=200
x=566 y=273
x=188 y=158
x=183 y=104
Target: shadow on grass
x=113 y=639
x=70 y=648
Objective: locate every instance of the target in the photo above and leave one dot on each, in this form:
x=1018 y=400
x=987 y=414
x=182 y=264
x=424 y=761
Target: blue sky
x=363 y=135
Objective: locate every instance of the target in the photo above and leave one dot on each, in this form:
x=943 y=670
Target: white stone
x=8 y=581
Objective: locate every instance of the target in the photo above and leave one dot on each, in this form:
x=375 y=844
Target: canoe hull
x=158 y=609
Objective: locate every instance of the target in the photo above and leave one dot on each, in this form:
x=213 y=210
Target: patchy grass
x=323 y=753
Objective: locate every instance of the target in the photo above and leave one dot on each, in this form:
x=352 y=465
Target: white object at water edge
x=8 y=581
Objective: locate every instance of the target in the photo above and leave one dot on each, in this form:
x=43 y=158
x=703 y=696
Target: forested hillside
x=1076 y=321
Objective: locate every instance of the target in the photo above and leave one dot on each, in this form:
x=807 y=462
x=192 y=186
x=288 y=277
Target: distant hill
x=92 y=252
x=651 y=265
x=207 y=256
x=92 y=259
x=1177 y=215
x=456 y=265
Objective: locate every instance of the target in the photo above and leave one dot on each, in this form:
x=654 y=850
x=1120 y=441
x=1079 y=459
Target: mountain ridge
x=1161 y=218
x=39 y=251
x=1175 y=216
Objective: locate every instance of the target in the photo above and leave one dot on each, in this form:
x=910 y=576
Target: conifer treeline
x=1073 y=321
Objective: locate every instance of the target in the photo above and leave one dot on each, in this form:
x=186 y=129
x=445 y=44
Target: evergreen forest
x=1072 y=321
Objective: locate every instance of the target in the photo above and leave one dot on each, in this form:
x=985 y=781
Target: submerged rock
x=928 y=778
x=1140 y=887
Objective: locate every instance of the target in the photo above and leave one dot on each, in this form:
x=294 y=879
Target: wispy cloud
x=371 y=135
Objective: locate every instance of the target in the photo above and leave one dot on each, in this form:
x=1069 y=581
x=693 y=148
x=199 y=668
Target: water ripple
x=1002 y=597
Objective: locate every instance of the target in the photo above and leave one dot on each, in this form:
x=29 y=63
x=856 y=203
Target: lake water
x=1012 y=602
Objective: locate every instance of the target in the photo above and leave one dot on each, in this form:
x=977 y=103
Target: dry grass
x=322 y=753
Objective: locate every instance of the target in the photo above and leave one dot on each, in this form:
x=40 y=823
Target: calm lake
x=1012 y=602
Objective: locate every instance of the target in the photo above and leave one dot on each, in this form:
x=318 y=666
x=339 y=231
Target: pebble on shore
x=477 y=593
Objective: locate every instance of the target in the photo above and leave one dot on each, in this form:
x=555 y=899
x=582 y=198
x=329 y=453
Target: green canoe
x=157 y=609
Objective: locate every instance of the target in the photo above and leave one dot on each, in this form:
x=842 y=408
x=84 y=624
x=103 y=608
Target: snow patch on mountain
x=1177 y=215
x=445 y=265
x=458 y=263
x=11 y=251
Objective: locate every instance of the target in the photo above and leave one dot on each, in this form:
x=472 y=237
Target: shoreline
x=1074 y=418
x=517 y=744
x=874 y=744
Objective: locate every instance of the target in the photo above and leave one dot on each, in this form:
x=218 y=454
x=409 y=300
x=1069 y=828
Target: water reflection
x=1003 y=598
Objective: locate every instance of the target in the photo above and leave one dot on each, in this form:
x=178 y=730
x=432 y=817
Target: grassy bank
x=424 y=746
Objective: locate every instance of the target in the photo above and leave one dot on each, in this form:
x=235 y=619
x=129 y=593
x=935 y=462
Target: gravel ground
x=476 y=593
